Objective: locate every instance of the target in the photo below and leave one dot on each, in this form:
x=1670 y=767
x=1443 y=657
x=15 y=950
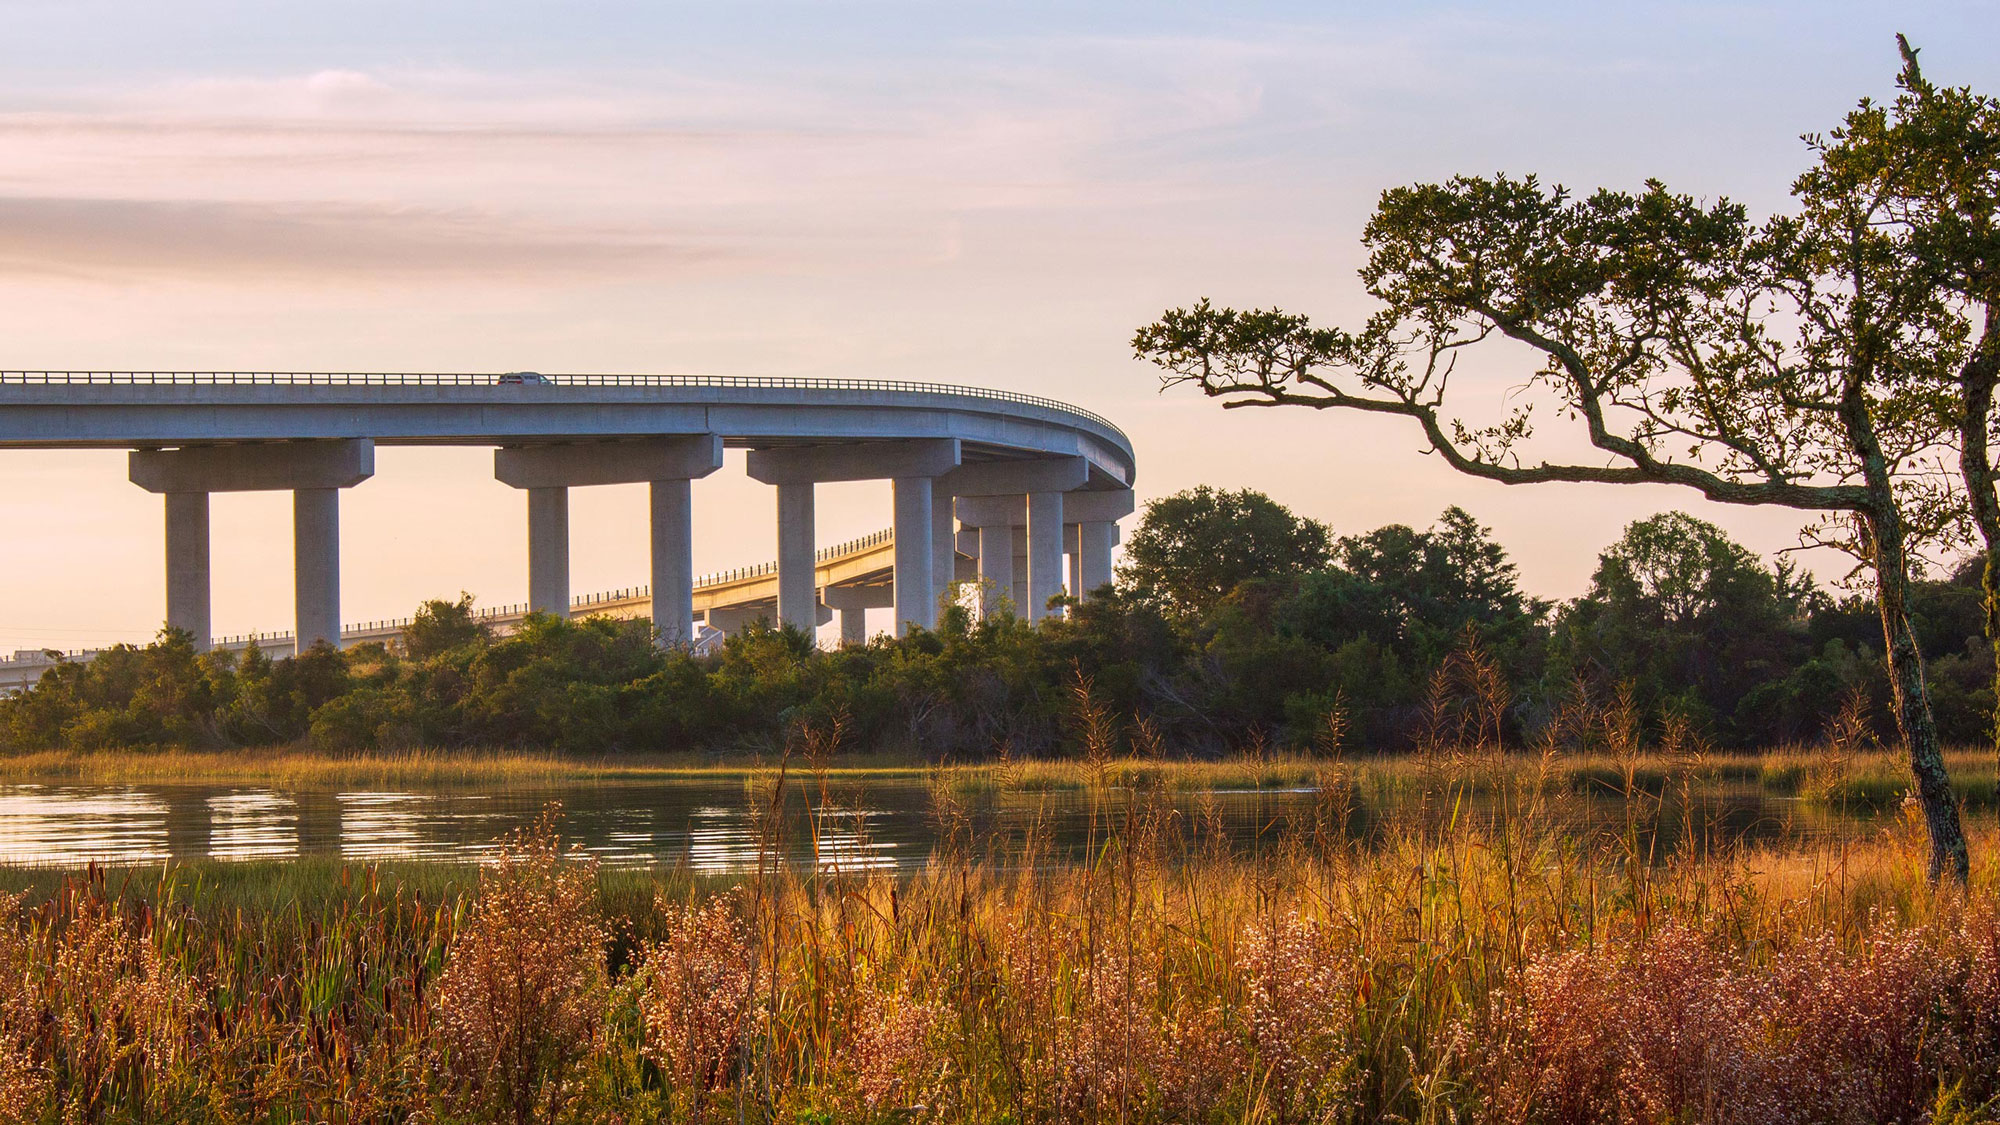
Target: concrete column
x=673 y=561
x=853 y=625
x=1096 y=540
x=852 y=604
x=1073 y=547
x=548 y=551
x=312 y=471
x=1045 y=551
x=316 y=564
x=666 y=463
x=1020 y=592
x=944 y=551
x=188 y=584
x=797 y=584
x=916 y=596
x=996 y=567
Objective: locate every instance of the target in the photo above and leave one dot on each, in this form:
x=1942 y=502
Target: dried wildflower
x=699 y=995
x=1667 y=1030
x=1301 y=1008
x=523 y=988
x=25 y=1084
x=1865 y=1030
x=897 y=1054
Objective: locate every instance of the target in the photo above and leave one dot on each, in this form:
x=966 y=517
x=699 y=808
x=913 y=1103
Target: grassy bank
x=1861 y=783
x=303 y=768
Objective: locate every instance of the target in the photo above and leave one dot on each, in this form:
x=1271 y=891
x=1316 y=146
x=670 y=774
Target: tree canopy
x=1194 y=547
x=1778 y=362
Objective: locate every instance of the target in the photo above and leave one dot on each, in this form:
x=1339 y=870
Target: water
x=708 y=826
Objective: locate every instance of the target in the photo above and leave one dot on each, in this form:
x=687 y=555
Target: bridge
x=1019 y=492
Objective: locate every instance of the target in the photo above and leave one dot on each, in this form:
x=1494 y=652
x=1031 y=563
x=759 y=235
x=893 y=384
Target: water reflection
x=708 y=826
x=254 y=824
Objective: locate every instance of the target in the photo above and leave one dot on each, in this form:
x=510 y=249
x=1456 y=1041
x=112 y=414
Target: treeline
x=1234 y=625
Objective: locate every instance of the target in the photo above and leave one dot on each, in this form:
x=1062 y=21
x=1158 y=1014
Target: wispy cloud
x=340 y=173
x=194 y=240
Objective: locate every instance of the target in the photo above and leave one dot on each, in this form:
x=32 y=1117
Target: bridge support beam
x=996 y=567
x=1045 y=551
x=313 y=471
x=316 y=565
x=797 y=583
x=667 y=464
x=944 y=552
x=188 y=566
x=1092 y=518
x=1096 y=538
x=1020 y=591
x=912 y=466
x=673 y=561
x=851 y=604
x=548 y=551
x=916 y=592
x=1073 y=559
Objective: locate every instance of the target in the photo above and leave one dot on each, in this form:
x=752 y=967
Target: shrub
x=523 y=992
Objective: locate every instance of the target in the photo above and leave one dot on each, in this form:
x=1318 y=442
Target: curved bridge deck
x=1018 y=491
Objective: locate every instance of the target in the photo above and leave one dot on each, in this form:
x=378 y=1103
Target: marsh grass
x=308 y=769
x=1542 y=968
x=1490 y=949
x=1859 y=781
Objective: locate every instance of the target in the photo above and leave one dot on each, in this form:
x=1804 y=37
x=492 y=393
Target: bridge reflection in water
x=717 y=825
x=71 y=826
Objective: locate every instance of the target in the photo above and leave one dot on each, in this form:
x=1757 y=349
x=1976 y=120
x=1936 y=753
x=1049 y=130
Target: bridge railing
x=489 y=379
x=823 y=555
x=834 y=553
x=39 y=658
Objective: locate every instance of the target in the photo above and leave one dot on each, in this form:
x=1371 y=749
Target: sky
x=995 y=194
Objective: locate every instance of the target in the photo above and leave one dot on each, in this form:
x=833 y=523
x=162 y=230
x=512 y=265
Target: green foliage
x=1192 y=548
x=1692 y=620
x=1687 y=620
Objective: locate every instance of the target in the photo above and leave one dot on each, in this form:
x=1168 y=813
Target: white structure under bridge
x=1022 y=493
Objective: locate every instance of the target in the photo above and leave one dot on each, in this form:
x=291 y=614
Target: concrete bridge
x=1022 y=493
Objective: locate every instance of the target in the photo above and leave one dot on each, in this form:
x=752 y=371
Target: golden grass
x=1867 y=782
x=305 y=769
x=1168 y=980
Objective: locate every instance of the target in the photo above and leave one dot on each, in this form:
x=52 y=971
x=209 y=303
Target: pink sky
x=998 y=196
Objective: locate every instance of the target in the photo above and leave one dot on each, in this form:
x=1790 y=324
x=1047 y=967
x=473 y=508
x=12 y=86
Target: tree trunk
x=1975 y=462
x=1913 y=703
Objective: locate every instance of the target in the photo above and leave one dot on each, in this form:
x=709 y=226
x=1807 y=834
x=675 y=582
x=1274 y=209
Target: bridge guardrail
x=489 y=379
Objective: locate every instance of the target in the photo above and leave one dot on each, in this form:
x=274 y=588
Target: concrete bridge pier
x=672 y=527
x=911 y=466
x=316 y=565
x=313 y=471
x=1095 y=516
x=916 y=554
x=1073 y=559
x=548 y=550
x=188 y=581
x=1045 y=551
x=1094 y=542
x=851 y=605
x=1020 y=591
x=1082 y=525
x=944 y=551
x=668 y=465
x=798 y=588
x=990 y=498
x=996 y=567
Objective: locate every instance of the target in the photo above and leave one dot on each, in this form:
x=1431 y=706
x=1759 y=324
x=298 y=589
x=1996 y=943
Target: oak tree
x=1681 y=341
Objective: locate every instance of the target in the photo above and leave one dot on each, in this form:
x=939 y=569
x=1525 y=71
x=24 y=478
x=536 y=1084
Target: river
x=718 y=825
